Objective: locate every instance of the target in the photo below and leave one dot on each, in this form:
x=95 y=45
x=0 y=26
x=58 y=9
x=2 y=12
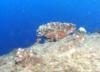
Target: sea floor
x=65 y=55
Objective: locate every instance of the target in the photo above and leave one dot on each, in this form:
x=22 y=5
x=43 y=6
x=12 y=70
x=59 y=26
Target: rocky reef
x=66 y=49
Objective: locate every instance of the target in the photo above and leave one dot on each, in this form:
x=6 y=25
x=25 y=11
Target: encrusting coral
x=76 y=51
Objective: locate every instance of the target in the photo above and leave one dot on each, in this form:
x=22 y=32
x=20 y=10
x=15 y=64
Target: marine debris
x=71 y=51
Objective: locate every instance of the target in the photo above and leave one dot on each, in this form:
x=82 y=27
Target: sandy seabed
x=65 y=55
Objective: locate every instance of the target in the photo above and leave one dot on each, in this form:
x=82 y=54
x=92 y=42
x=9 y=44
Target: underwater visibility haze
x=50 y=36
x=19 y=19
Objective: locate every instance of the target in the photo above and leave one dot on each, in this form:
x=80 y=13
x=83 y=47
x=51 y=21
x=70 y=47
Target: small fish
x=82 y=29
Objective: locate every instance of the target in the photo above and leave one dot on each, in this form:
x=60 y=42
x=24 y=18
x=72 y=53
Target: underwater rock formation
x=77 y=51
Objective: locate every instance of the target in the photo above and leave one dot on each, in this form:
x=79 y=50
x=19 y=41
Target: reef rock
x=77 y=52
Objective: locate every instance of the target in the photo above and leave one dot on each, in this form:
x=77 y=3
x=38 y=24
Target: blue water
x=20 y=18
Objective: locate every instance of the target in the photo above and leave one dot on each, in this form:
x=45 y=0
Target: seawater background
x=19 y=19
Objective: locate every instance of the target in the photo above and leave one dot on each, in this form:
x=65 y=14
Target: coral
x=77 y=52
